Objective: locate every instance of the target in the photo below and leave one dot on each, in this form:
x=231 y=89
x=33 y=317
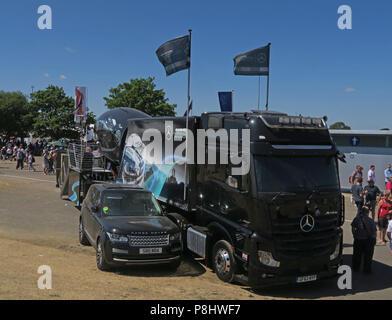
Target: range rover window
x=129 y=203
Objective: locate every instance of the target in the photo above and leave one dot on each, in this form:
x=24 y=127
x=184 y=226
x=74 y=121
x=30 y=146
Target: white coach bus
x=364 y=148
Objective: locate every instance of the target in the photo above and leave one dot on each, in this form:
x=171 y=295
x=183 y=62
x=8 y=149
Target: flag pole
x=232 y=100
x=187 y=115
x=269 y=63
x=258 y=98
x=266 y=105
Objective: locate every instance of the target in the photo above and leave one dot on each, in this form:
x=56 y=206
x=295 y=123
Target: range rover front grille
x=291 y=242
x=148 y=240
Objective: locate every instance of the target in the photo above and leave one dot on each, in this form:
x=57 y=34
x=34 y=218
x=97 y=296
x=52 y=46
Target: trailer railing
x=80 y=157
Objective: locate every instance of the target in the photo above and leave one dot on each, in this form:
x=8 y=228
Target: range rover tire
x=101 y=257
x=223 y=261
x=82 y=235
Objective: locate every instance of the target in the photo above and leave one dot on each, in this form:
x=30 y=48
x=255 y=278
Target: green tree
x=15 y=116
x=142 y=95
x=340 y=126
x=54 y=114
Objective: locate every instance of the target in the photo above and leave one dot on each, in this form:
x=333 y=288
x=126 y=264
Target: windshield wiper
x=317 y=191
x=282 y=193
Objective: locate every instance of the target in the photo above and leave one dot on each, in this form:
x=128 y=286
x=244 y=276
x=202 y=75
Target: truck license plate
x=150 y=250
x=312 y=277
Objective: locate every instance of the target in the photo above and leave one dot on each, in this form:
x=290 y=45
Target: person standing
x=384 y=208
x=9 y=153
x=357 y=193
x=389 y=234
x=388 y=185
x=19 y=159
x=364 y=231
x=372 y=173
x=357 y=174
x=46 y=162
x=387 y=173
x=30 y=161
x=371 y=192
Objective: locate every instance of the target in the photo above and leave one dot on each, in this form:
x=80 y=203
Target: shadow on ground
x=189 y=268
x=361 y=283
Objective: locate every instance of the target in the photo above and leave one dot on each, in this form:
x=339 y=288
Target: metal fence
x=80 y=157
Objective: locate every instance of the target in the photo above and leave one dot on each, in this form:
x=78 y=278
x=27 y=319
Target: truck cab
x=281 y=221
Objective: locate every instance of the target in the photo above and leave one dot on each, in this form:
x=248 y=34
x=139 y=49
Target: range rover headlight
x=175 y=236
x=267 y=259
x=114 y=237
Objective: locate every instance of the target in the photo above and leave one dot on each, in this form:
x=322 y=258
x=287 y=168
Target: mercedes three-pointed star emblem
x=307 y=223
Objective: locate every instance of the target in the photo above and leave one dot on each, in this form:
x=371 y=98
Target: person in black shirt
x=371 y=192
x=357 y=192
x=365 y=232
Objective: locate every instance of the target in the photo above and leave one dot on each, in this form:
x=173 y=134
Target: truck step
x=241 y=278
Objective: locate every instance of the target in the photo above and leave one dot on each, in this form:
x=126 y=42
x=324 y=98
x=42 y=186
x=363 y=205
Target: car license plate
x=150 y=250
x=312 y=277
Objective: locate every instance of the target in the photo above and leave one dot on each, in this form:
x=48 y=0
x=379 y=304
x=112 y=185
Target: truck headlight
x=175 y=236
x=266 y=258
x=113 y=237
x=335 y=254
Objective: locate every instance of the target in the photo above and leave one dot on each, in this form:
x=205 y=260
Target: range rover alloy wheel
x=100 y=257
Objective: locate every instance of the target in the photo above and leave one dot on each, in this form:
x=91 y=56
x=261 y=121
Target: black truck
x=267 y=211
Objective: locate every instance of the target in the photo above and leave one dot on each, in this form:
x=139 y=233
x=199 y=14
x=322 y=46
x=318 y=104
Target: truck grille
x=148 y=240
x=291 y=242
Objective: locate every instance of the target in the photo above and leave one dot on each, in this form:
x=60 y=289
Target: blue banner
x=226 y=101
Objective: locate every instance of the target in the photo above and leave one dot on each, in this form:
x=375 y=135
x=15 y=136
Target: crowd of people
x=24 y=154
x=369 y=231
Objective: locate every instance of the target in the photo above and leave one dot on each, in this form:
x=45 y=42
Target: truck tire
x=101 y=257
x=82 y=235
x=223 y=261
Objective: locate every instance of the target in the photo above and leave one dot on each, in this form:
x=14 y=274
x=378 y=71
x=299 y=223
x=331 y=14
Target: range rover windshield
x=129 y=203
x=290 y=174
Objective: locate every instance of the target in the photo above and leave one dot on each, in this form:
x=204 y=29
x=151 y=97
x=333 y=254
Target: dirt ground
x=38 y=228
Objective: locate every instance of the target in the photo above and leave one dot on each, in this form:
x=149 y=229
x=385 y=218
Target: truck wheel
x=223 y=261
x=100 y=256
x=82 y=235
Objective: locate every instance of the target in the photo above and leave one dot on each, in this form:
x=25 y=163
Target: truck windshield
x=280 y=174
x=129 y=203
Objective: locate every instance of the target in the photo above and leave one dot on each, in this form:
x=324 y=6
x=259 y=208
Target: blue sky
x=316 y=68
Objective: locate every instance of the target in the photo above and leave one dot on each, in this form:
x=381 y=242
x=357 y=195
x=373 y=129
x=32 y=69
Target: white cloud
x=46 y=75
x=350 y=90
x=70 y=50
x=63 y=77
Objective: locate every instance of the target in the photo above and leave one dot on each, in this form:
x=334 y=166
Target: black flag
x=175 y=54
x=253 y=63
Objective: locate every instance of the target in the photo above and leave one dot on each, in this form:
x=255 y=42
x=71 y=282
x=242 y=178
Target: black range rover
x=126 y=225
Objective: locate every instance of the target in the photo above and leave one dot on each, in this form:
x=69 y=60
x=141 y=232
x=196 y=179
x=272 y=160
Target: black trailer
x=278 y=222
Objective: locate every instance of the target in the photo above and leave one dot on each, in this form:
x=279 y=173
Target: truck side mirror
x=341 y=156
